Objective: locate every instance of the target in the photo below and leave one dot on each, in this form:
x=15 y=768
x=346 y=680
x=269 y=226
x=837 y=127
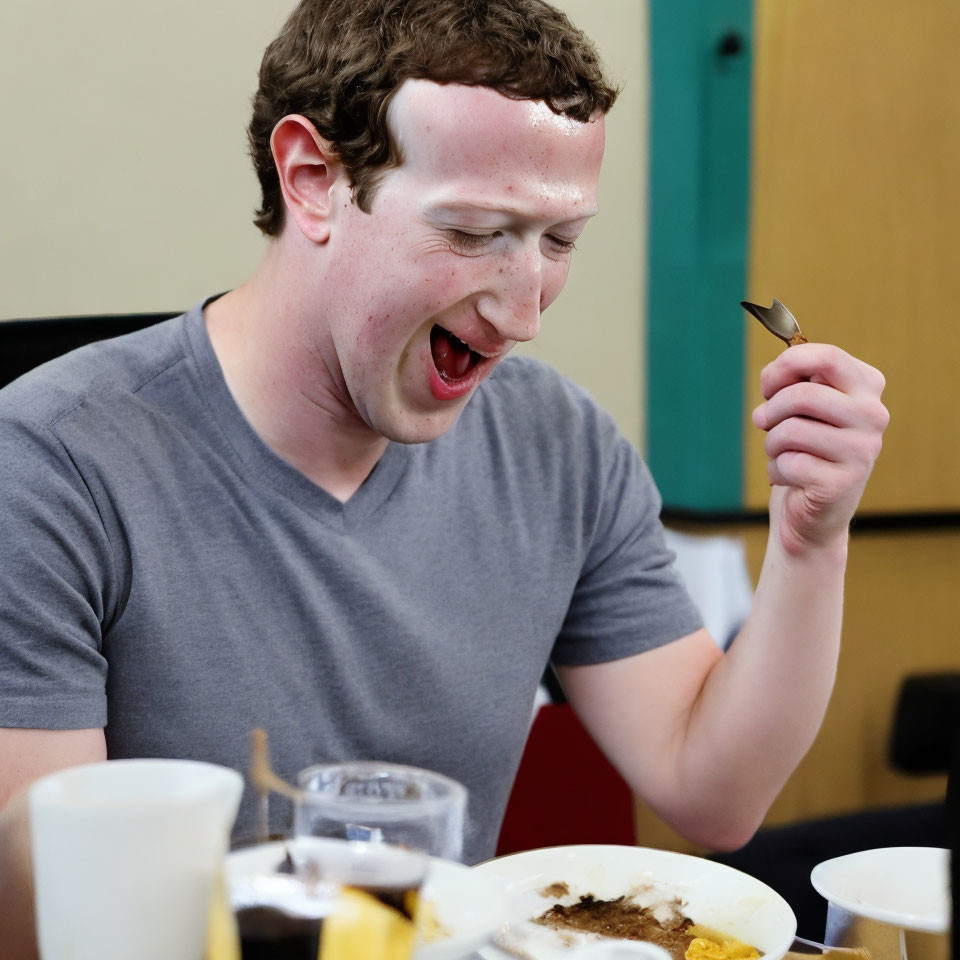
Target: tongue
x=453 y=358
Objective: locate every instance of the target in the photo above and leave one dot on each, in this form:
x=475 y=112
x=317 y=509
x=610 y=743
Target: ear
x=307 y=167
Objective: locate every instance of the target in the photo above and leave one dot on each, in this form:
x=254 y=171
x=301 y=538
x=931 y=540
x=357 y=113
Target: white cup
x=126 y=854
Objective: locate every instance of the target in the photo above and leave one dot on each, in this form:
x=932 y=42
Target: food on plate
x=718 y=947
x=661 y=923
x=624 y=919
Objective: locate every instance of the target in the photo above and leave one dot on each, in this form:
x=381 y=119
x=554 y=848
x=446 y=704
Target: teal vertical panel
x=699 y=189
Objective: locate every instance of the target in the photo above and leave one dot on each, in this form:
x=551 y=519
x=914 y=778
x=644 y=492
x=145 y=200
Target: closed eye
x=561 y=245
x=466 y=242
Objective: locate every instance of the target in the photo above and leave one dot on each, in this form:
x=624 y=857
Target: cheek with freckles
x=393 y=315
x=416 y=298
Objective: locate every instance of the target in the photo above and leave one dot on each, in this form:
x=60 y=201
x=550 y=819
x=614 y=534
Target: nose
x=513 y=301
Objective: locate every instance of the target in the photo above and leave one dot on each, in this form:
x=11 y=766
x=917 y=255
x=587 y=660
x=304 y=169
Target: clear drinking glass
x=372 y=801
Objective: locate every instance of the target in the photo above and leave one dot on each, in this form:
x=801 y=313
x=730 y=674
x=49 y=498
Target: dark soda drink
x=268 y=933
x=339 y=902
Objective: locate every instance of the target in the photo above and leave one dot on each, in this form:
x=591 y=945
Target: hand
x=824 y=423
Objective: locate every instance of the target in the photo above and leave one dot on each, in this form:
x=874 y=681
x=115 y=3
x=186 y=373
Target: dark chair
x=566 y=791
x=783 y=857
x=25 y=344
x=922 y=742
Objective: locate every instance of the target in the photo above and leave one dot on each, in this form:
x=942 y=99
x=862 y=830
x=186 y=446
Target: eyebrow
x=469 y=206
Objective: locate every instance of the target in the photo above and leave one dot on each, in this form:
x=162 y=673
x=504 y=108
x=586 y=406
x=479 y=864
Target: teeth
x=480 y=353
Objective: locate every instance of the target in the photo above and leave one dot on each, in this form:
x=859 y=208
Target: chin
x=417 y=433
x=417 y=429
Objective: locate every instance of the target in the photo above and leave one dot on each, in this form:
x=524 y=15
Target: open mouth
x=451 y=356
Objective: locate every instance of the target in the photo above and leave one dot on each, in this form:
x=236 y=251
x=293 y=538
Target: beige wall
x=855 y=205
x=125 y=181
x=126 y=185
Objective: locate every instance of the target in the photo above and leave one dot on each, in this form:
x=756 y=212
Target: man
x=280 y=510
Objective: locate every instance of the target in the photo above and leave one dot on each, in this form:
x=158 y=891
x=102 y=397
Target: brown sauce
x=624 y=919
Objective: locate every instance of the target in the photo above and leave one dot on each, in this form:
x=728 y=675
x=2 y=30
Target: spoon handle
x=802 y=949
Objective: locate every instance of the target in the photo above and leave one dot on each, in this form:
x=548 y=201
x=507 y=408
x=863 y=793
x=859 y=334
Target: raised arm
x=708 y=739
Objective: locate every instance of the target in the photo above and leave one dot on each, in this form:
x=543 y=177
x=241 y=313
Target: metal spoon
x=778 y=320
x=802 y=949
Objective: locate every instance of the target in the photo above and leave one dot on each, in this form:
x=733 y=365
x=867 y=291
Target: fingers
x=819 y=401
x=852 y=445
x=804 y=470
x=816 y=401
x=820 y=382
x=806 y=436
x=824 y=422
x=821 y=363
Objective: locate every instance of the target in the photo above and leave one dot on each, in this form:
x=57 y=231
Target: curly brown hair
x=339 y=62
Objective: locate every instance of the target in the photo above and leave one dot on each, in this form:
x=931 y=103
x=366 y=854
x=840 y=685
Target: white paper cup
x=892 y=901
x=125 y=857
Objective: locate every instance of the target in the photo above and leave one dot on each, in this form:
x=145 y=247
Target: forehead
x=471 y=143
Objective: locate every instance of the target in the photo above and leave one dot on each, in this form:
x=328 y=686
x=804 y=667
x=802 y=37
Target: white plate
x=712 y=894
x=906 y=887
x=471 y=906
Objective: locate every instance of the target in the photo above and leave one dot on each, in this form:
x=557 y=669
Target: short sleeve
x=629 y=597
x=56 y=565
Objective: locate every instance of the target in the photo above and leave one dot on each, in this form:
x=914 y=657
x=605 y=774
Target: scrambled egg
x=704 y=949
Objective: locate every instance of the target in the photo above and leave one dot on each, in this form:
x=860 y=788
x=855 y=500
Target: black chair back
x=25 y=344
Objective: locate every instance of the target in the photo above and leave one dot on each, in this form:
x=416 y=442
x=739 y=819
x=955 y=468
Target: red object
x=566 y=790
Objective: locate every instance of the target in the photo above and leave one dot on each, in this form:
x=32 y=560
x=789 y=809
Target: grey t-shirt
x=164 y=574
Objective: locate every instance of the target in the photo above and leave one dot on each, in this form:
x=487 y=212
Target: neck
x=281 y=368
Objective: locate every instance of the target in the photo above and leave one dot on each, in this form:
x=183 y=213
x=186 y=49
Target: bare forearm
x=762 y=704
x=709 y=740
x=17 y=932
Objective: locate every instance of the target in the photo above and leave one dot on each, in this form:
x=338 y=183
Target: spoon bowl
x=778 y=320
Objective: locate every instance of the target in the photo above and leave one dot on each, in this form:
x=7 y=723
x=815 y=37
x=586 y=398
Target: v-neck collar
x=259 y=465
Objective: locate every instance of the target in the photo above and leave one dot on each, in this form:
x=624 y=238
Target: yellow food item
x=429 y=928
x=222 y=940
x=703 y=949
x=361 y=926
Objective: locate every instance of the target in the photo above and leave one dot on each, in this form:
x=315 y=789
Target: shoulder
x=120 y=366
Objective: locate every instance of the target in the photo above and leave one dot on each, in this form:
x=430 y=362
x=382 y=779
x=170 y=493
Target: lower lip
x=452 y=390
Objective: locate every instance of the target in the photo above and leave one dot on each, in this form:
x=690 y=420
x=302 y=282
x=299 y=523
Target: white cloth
x=714 y=570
